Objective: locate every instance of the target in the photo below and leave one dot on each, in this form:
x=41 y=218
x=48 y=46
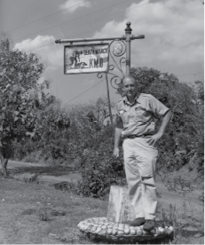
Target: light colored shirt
x=140 y=117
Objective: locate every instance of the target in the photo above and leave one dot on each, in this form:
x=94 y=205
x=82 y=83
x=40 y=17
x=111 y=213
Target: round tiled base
x=101 y=228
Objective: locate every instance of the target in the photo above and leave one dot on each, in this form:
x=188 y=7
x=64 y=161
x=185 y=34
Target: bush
x=200 y=156
x=100 y=169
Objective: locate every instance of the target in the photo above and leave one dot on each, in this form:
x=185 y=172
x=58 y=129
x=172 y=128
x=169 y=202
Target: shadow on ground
x=43 y=170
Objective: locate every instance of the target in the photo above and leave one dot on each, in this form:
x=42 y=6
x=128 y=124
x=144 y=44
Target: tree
x=20 y=98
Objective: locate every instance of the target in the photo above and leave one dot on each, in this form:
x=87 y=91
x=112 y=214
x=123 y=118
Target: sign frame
x=83 y=46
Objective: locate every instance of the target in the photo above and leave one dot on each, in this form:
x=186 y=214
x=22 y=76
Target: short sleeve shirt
x=140 y=117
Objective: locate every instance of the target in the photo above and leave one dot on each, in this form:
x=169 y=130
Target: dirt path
x=45 y=172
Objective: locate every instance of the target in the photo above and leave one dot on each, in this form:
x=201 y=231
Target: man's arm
x=118 y=131
x=165 y=122
x=162 y=128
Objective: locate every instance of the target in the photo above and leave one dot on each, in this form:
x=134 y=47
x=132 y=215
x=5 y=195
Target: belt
x=132 y=136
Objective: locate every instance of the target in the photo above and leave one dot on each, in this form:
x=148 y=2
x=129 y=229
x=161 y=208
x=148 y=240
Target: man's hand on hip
x=116 y=152
x=154 y=138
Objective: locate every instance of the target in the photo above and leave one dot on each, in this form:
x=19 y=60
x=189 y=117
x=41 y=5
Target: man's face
x=130 y=86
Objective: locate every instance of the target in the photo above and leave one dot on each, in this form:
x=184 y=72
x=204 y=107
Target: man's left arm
x=165 y=120
x=159 y=110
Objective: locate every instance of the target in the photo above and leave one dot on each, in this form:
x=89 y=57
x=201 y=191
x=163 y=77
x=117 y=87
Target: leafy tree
x=21 y=97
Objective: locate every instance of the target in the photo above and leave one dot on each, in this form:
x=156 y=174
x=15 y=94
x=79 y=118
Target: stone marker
x=112 y=228
x=119 y=206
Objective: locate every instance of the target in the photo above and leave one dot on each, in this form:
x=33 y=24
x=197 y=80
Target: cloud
x=34 y=44
x=50 y=53
x=72 y=5
x=173 y=31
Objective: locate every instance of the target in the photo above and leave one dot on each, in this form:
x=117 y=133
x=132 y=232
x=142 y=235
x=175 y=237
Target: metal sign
x=87 y=58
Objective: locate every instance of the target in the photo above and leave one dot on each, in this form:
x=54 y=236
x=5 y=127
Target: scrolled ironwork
x=115 y=81
x=116 y=65
x=122 y=60
x=119 y=48
x=113 y=53
x=100 y=75
x=111 y=67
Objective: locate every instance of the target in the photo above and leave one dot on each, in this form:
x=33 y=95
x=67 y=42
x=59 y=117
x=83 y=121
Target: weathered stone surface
x=119 y=207
x=113 y=227
x=106 y=230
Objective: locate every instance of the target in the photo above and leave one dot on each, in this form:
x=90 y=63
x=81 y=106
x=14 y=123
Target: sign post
x=95 y=57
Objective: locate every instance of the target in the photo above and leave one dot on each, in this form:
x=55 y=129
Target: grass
x=31 y=213
x=40 y=214
x=189 y=227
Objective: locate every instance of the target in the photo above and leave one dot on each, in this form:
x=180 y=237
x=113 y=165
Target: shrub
x=100 y=169
x=200 y=156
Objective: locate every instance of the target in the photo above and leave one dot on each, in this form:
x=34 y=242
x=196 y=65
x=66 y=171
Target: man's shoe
x=137 y=222
x=149 y=225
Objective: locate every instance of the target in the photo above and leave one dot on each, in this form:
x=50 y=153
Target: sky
x=173 y=43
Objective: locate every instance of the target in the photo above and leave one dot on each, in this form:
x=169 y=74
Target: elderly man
x=135 y=122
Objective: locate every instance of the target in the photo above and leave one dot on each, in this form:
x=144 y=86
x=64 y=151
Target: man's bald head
x=130 y=87
x=128 y=79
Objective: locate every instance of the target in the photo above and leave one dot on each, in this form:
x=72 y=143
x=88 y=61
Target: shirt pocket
x=124 y=116
x=140 y=114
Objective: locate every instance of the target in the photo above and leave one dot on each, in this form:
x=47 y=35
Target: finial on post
x=128 y=29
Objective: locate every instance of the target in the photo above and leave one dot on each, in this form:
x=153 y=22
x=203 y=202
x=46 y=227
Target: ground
x=38 y=213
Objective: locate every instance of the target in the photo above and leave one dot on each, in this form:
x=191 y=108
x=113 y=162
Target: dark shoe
x=137 y=222
x=149 y=225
